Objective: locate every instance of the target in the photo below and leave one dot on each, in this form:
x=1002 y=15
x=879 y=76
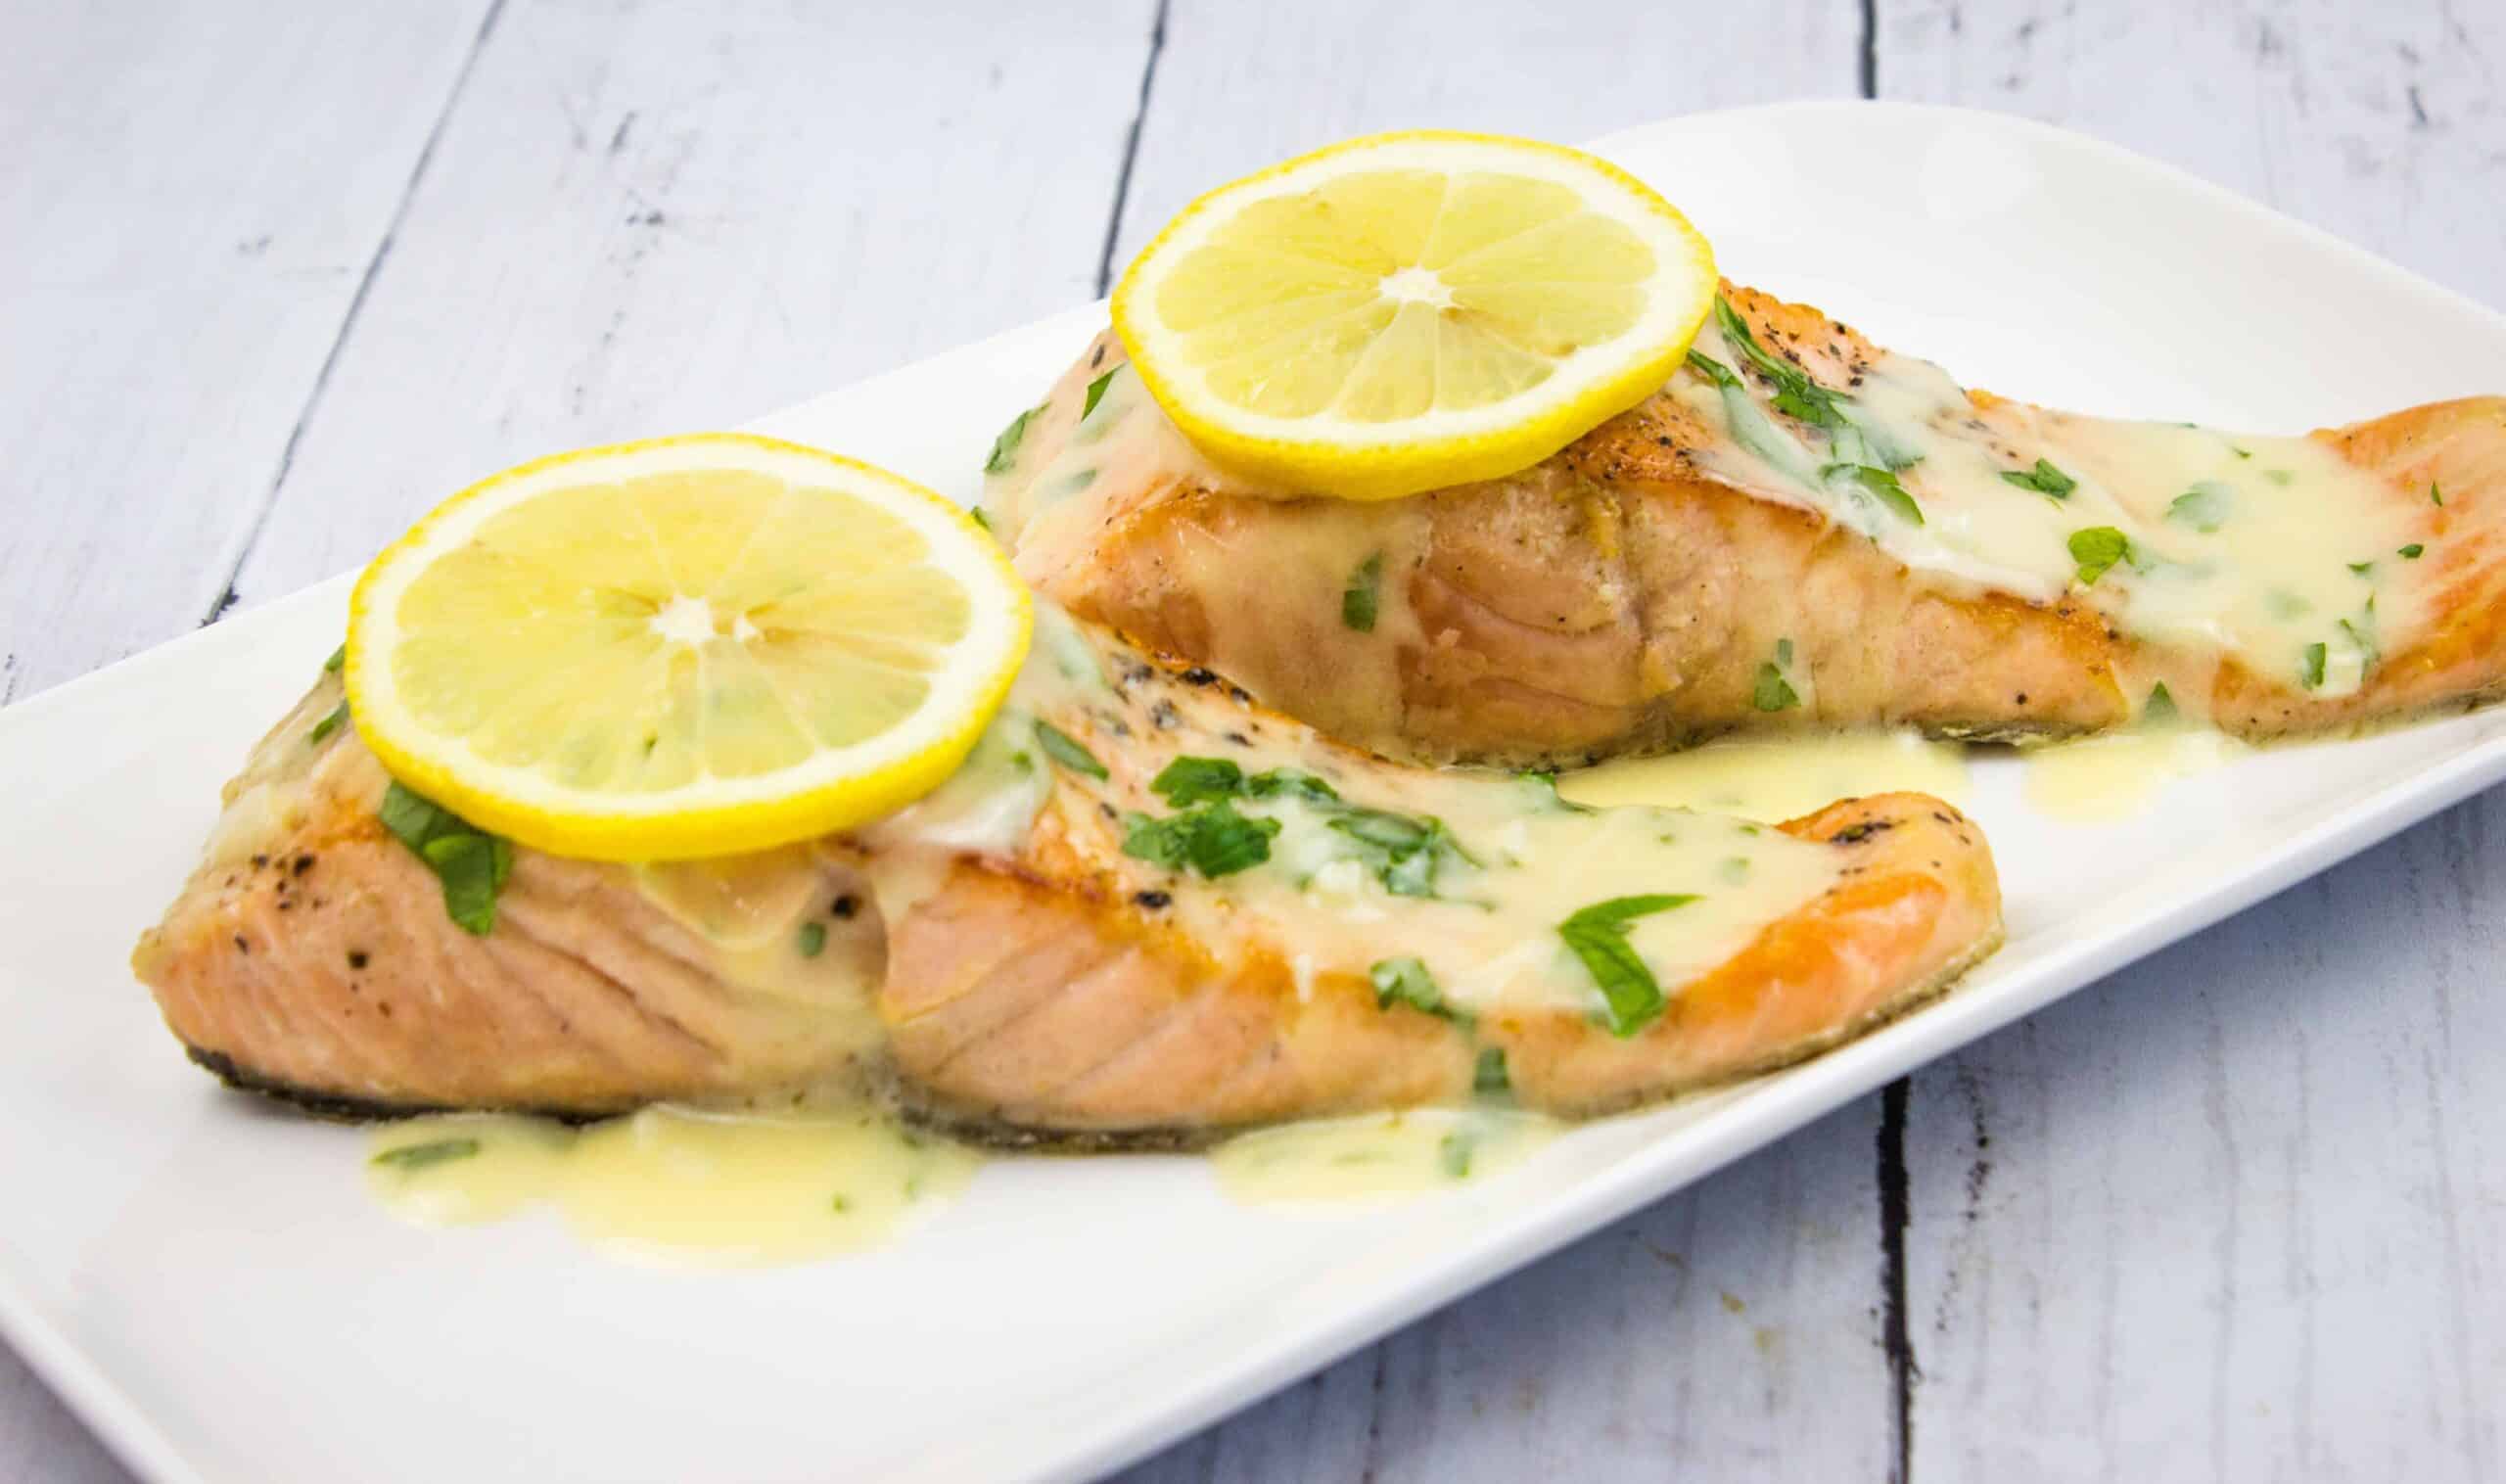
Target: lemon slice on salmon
x=1407 y=311
x=688 y=647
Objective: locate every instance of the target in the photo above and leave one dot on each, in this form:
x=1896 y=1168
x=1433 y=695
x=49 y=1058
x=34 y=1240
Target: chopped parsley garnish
x=1357 y=599
x=1096 y=394
x=1773 y=691
x=1404 y=850
x=338 y=657
x=2044 y=478
x=2410 y=553
x=2160 y=706
x=1488 y=1074
x=813 y=939
x=435 y=1151
x=1406 y=981
x=2363 y=568
x=1212 y=839
x=2436 y=496
x=1005 y=448
x=1187 y=781
x=2204 y=507
x=1293 y=782
x=2311 y=669
x=1454 y=1151
x=1796 y=396
x=1715 y=371
x=1598 y=936
x=1065 y=749
x=1880 y=483
x=2095 y=550
x=979 y=518
x=470 y=865
x=329 y=724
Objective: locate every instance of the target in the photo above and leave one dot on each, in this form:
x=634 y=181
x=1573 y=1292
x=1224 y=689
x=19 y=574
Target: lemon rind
x=832 y=790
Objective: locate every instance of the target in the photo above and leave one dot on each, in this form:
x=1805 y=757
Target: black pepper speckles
x=1154 y=900
x=845 y=907
x=1197 y=675
x=357 y=959
x=1163 y=714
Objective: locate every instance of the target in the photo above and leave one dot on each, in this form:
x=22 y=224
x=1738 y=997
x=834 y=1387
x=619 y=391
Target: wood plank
x=653 y=220
x=2228 y=1211
x=1625 y=1351
x=192 y=198
x=1241 y=86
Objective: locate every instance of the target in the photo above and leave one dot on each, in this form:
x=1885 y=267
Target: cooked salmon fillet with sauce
x=1145 y=906
x=1801 y=531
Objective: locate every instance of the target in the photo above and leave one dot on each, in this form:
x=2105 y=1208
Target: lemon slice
x=1407 y=311
x=688 y=647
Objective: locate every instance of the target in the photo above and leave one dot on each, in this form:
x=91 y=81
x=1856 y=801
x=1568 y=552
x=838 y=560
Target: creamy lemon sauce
x=1777 y=778
x=676 y=1185
x=1376 y=1155
x=1471 y=873
x=2096 y=780
x=2274 y=550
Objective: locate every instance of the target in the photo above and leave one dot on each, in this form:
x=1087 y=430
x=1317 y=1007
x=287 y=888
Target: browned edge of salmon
x=1080 y=1018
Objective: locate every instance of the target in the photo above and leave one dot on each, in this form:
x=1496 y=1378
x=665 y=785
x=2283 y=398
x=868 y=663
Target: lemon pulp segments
x=1413 y=309
x=681 y=648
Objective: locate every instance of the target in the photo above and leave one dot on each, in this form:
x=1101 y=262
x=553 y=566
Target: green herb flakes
x=1358 y=600
x=1212 y=839
x=2160 y=706
x=2436 y=496
x=1406 y=981
x=470 y=865
x=410 y=1158
x=2095 y=550
x=1881 y=483
x=337 y=661
x=2204 y=507
x=328 y=724
x=1065 y=749
x=1488 y=1074
x=1096 y=394
x=2362 y=568
x=1453 y=1152
x=1005 y=448
x=2044 y=478
x=1773 y=691
x=1187 y=781
x=2411 y=553
x=2310 y=669
x=1597 y=935
x=812 y=940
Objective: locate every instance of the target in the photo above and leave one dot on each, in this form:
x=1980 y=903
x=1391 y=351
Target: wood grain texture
x=658 y=220
x=192 y=199
x=2234 y=1212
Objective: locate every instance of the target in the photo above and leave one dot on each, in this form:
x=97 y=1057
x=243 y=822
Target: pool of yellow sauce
x=2098 y=779
x=676 y=1185
x=1778 y=778
x=1376 y=1155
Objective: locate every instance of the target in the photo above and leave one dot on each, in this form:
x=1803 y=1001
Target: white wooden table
x=275 y=277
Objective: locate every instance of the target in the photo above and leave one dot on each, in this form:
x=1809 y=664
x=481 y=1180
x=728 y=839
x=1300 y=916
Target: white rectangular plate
x=204 y=1279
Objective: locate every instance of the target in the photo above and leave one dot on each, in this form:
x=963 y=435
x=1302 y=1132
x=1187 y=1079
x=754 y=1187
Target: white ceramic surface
x=204 y=1280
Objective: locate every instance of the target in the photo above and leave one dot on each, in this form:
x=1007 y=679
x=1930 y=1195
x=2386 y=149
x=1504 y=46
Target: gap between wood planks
x=1896 y=1338
x=225 y=598
x=1130 y=148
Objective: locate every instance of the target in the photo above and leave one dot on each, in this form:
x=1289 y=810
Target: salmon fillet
x=1007 y=958
x=1629 y=594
